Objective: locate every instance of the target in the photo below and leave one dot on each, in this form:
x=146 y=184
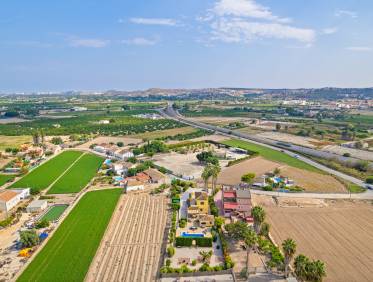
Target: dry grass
x=232 y=175
x=340 y=234
x=312 y=181
x=13 y=141
x=107 y=139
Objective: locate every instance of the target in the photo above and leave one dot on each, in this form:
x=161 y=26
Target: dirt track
x=131 y=247
x=340 y=234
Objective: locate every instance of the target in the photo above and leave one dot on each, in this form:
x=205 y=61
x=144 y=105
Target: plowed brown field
x=340 y=234
x=131 y=247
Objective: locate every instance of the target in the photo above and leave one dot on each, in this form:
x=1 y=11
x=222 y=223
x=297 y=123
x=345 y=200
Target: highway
x=169 y=112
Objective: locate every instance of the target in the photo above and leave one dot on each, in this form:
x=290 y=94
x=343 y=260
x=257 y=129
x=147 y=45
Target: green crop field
x=44 y=175
x=4 y=178
x=78 y=176
x=54 y=212
x=271 y=154
x=68 y=254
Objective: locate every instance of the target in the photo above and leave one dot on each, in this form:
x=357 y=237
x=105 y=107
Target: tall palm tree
x=250 y=241
x=318 y=270
x=289 y=247
x=258 y=214
x=206 y=174
x=215 y=170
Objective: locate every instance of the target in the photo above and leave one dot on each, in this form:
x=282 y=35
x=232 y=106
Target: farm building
x=37 y=206
x=113 y=151
x=24 y=193
x=155 y=176
x=8 y=200
x=134 y=185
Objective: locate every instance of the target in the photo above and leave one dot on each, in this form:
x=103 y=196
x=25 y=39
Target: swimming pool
x=196 y=235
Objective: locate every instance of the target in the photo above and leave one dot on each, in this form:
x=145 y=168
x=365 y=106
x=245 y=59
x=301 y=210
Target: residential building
x=205 y=220
x=113 y=151
x=197 y=204
x=123 y=154
x=121 y=168
x=24 y=193
x=37 y=206
x=237 y=203
x=8 y=200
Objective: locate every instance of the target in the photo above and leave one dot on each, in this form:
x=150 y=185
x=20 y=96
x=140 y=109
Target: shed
x=37 y=206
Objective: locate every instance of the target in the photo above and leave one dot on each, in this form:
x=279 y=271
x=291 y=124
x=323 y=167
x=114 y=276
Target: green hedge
x=188 y=241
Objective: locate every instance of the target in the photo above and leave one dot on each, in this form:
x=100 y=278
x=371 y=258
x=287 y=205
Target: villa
x=197 y=204
x=237 y=203
x=113 y=151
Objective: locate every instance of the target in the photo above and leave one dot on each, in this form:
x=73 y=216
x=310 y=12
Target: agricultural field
x=78 y=176
x=271 y=154
x=132 y=246
x=4 y=178
x=120 y=123
x=164 y=133
x=340 y=233
x=54 y=212
x=44 y=175
x=13 y=141
x=74 y=244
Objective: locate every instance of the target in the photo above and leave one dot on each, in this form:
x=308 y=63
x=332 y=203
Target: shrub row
x=188 y=241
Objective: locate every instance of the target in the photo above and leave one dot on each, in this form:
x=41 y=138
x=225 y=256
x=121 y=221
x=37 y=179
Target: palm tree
x=215 y=170
x=264 y=229
x=317 y=270
x=289 y=247
x=250 y=241
x=300 y=266
x=206 y=175
x=205 y=255
x=258 y=214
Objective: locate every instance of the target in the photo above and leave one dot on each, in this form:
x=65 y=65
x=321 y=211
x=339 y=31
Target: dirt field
x=164 y=133
x=131 y=247
x=13 y=141
x=232 y=175
x=361 y=154
x=313 y=182
x=340 y=233
x=107 y=139
x=298 y=140
x=310 y=181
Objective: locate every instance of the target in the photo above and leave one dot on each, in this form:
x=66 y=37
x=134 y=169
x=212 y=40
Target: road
x=169 y=112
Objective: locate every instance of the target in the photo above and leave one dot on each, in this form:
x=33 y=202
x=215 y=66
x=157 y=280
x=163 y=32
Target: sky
x=130 y=45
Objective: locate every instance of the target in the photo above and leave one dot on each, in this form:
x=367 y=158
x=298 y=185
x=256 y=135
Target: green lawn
x=271 y=154
x=54 y=212
x=4 y=178
x=68 y=254
x=44 y=175
x=78 y=176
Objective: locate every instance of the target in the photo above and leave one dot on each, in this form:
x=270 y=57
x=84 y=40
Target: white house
x=121 y=168
x=123 y=154
x=36 y=206
x=24 y=193
x=134 y=185
x=8 y=200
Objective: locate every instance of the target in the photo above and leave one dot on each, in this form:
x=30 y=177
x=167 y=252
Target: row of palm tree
x=305 y=269
x=211 y=171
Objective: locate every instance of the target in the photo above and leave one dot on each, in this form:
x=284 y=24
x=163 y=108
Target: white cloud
x=140 y=41
x=360 y=48
x=154 y=21
x=88 y=42
x=238 y=30
x=329 y=30
x=344 y=13
x=246 y=8
x=246 y=20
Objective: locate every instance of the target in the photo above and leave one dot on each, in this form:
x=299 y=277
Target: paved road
x=169 y=112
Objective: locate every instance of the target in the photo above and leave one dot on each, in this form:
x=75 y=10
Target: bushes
x=233 y=162
x=42 y=224
x=369 y=180
x=29 y=238
x=188 y=241
x=170 y=251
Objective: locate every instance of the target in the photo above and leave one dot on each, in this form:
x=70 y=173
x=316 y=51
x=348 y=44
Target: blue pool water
x=118 y=178
x=185 y=234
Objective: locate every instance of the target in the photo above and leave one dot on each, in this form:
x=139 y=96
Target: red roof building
x=237 y=202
